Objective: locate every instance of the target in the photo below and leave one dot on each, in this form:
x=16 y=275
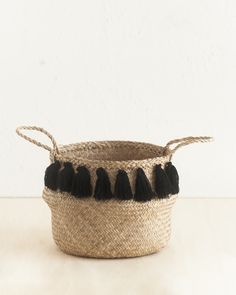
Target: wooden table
x=200 y=258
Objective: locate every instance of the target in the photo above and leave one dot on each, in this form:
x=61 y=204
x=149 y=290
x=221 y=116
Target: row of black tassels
x=79 y=183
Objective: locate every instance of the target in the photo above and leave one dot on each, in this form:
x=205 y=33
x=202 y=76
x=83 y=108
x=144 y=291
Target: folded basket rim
x=72 y=152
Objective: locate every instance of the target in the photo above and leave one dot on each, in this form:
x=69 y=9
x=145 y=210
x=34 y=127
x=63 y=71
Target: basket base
x=109 y=229
x=96 y=255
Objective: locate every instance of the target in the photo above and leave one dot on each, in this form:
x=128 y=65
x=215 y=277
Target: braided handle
x=184 y=141
x=55 y=148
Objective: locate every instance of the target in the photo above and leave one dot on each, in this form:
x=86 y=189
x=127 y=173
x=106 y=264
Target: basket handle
x=184 y=141
x=54 y=149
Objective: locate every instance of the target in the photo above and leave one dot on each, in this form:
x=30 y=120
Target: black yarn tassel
x=103 y=185
x=122 y=186
x=162 y=183
x=66 y=177
x=51 y=175
x=143 y=189
x=81 y=186
x=173 y=177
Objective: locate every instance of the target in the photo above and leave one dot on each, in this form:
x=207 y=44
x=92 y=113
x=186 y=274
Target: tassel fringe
x=143 y=189
x=51 y=175
x=65 y=179
x=162 y=182
x=122 y=186
x=81 y=186
x=103 y=185
x=172 y=173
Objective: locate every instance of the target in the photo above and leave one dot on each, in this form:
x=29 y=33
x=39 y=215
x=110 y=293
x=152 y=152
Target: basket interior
x=111 y=151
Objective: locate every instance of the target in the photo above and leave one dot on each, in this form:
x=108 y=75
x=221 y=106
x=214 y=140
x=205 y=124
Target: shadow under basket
x=111 y=199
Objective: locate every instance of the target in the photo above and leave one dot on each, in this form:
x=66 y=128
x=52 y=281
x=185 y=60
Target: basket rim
x=91 y=146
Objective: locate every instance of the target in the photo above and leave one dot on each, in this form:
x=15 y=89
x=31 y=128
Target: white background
x=139 y=70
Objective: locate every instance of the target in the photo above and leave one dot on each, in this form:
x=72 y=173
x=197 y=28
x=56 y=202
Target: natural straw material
x=111 y=228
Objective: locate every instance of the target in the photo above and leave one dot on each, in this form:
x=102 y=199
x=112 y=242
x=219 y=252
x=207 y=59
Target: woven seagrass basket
x=111 y=198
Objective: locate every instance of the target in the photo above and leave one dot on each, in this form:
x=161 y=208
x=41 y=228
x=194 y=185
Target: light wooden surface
x=200 y=258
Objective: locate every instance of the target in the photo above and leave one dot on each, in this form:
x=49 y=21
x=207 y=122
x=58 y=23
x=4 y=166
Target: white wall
x=138 y=70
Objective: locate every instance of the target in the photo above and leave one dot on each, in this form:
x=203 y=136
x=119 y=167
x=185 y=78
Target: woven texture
x=112 y=156
x=109 y=229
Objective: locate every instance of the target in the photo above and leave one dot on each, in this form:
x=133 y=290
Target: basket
x=111 y=199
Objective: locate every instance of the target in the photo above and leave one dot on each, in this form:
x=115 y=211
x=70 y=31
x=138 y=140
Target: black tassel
x=173 y=177
x=103 y=185
x=143 y=189
x=81 y=186
x=51 y=175
x=122 y=186
x=162 y=183
x=66 y=177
